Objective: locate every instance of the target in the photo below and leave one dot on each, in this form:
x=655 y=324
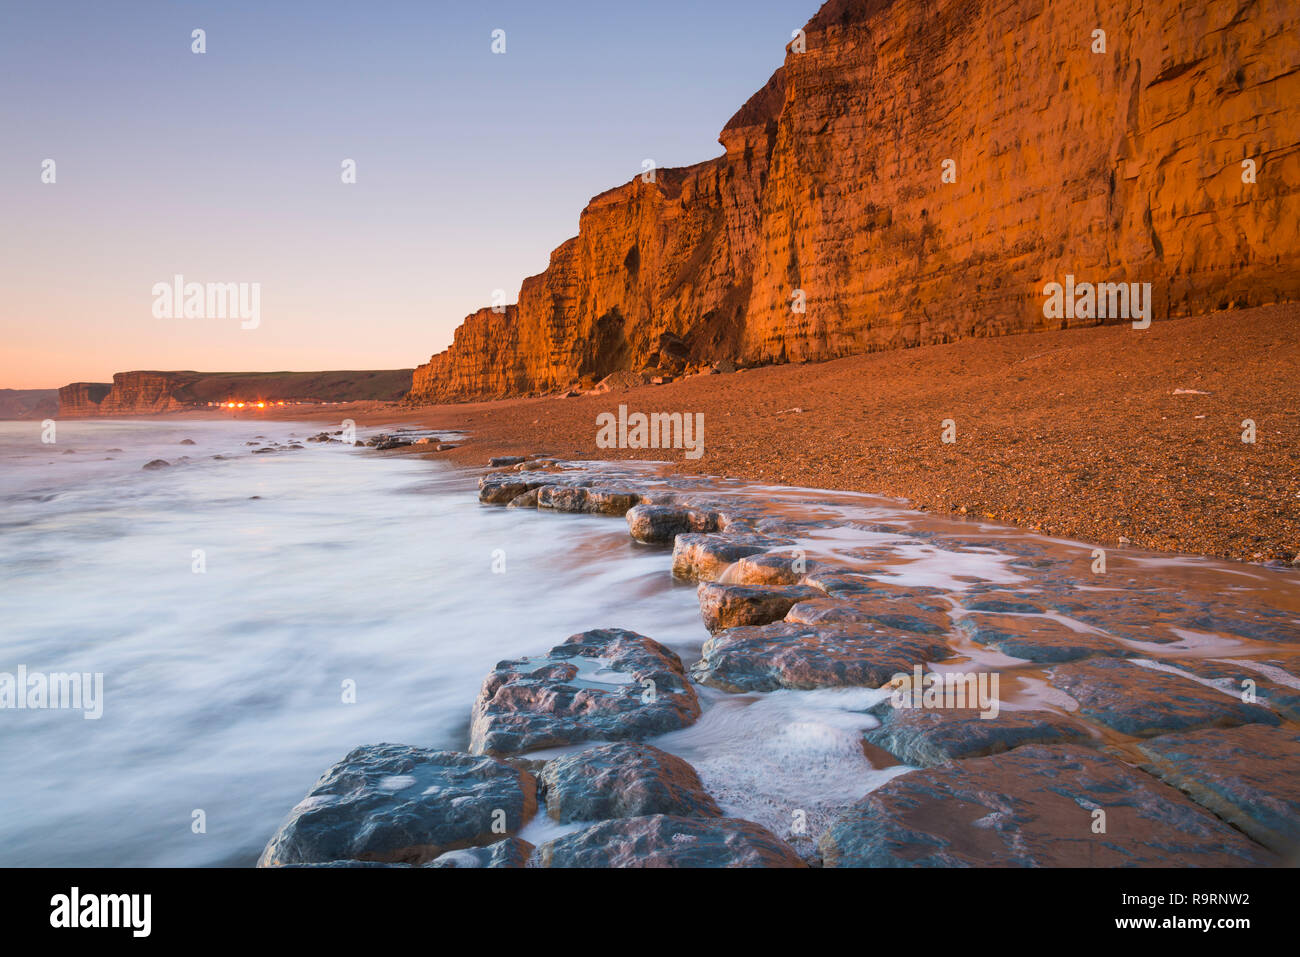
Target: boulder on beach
x=502 y=461
x=604 y=685
x=704 y=557
x=660 y=524
x=587 y=500
x=789 y=655
x=662 y=840
x=502 y=489
x=771 y=568
x=622 y=780
x=156 y=464
x=724 y=605
x=1144 y=702
x=395 y=803
x=1035 y=806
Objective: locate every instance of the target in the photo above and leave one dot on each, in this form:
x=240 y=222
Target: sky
x=226 y=166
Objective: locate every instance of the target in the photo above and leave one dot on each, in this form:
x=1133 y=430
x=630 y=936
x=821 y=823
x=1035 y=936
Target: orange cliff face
x=1116 y=166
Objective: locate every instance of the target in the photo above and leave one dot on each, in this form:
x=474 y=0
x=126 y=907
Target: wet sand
x=1109 y=435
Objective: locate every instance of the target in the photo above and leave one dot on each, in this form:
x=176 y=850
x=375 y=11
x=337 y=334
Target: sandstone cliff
x=151 y=393
x=1117 y=166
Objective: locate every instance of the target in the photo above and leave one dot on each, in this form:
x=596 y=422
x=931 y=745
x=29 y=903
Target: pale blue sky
x=225 y=166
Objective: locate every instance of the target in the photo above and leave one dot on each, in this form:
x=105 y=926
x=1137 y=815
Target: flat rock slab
x=844 y=583
x=725 y=605
x=663 y=840
x=1033 y=807
x=603 y=685
x=1037 y=639
x=699 y=557
x=790 y=655
x=512 y=852
x=661 y=524
x=1232 y=674
x=1249 y=776
x=1144 y=702
x=623 y=780
x=920 y=617
x=394 y=803
x=927 y=737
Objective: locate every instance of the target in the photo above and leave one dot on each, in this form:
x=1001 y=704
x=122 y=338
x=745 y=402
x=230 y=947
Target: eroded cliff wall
x=149 y=393
x=1115 y=166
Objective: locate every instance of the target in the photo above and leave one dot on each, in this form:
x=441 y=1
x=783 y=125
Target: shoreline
x=808 y=594
x=1110 y=435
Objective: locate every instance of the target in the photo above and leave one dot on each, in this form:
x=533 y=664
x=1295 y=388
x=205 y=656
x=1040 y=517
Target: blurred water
x=325 y=565
x=223 y=690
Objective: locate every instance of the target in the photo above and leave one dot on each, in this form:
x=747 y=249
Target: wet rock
x=926 y=737
x=391 y=802
x=622 y=780
x=771 y=569
x=526 y=500
x=1002 y=603
x=609 y=684
x=1256 y=624
x=587 y=500
x=512 y=852
x=187 y=442
x=661 y=524
x=1249 y=776
x=1144 y=702
x=502 y=461
x=611 y=501
x=725 y=606
x=155 y=465
x=1032 y=807
x=705 y=557
x=789 y=655
x=662 y=840
x=343 y=864
x=562 y=498
x=1037 y=639
x=899 y=615
x=1266 y=676
x=839 y=583
x=502 y=489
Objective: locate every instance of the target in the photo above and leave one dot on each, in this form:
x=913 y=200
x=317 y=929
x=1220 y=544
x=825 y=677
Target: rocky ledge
x=1143 y=725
